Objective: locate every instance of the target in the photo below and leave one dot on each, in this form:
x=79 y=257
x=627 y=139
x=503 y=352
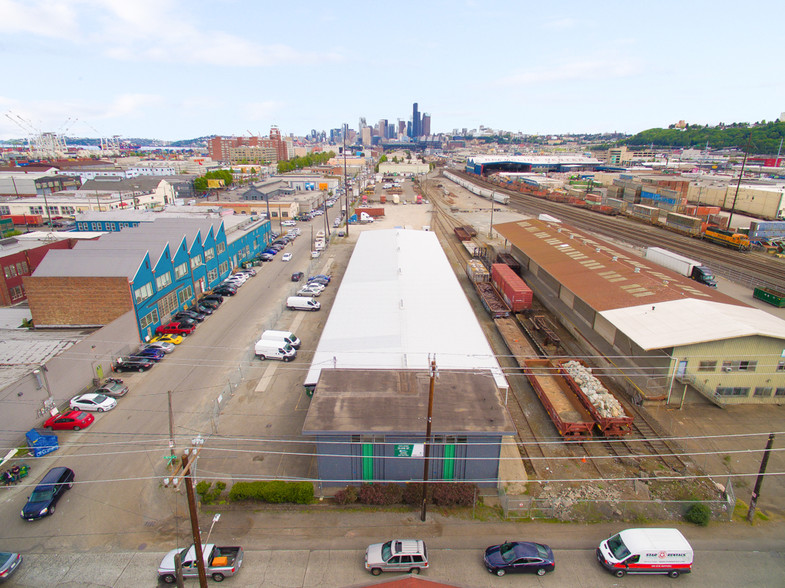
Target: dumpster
x=41 y=444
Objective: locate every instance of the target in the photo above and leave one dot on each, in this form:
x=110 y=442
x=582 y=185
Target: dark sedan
x=204 y=309
x=519 y=557
x=132 y=364
x=190 y=314
x=150 y=353
x=297 y=276
x=211 y=303
x=49 y=490
x=225 y=291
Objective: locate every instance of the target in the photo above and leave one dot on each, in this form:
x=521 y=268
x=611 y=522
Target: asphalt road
x=118 y=502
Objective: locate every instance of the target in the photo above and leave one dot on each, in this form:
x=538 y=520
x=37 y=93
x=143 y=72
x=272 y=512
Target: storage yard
x=626 y=441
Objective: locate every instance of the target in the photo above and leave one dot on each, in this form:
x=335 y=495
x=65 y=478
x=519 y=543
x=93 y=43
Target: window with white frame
x=16 y=292
x=732 y=391
x=21 y=268
x=5 y=210
x=163 y=281
x=168 y=304
x=181 y=270
x=221 y=247
x=185 y=294
x=10 y=271
x=143 y=292
x=212 y=276
x=223 y=268
x=149 y=319
x=36 y=210
x=196 y=262
x=209 y=254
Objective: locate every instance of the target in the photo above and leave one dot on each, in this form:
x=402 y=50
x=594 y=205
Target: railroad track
x=647 y=441
x=750 y=268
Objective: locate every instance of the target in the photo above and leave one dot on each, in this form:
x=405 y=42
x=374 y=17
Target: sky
x=171 y=69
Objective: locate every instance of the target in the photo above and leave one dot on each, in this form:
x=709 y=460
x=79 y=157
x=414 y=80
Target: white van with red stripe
x=646 y=551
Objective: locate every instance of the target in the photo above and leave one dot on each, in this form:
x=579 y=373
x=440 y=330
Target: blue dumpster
x=41 y=444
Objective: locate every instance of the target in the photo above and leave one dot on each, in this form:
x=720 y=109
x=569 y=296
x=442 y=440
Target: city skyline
x=172 y=70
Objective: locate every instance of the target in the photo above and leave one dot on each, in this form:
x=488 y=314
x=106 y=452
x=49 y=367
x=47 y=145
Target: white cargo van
x=646 y=551
x=302 y=303
x=274 y=350
x=282 y=337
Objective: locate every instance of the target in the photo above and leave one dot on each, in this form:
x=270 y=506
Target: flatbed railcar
x=569 y=416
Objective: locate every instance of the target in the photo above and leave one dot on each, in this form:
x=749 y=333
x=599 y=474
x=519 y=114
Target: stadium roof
x=400 y=301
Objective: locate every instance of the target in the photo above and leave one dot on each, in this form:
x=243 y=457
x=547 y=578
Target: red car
x=71 y=419
x=174 y=329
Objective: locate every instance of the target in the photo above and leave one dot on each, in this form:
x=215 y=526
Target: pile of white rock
x=605 y=402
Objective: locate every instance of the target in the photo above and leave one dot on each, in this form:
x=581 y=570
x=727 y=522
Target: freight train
x=484 y=192
x=681 y=223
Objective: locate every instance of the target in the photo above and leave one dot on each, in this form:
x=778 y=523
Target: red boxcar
x=512 y=288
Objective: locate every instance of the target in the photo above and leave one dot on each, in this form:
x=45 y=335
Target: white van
x=646 y=551
x=274 y=350
x=282 y=337
x=302 y=303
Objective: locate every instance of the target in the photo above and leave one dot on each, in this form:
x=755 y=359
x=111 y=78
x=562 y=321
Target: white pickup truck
x=219 y=562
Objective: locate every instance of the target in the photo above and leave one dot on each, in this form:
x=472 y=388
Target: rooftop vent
x=637 y=270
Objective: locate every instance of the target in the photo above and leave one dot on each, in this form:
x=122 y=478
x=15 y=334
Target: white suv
x=398 y=555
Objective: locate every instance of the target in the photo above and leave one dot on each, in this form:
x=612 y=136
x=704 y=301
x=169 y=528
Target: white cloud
x=594 y=69
x=147 y=30
x=44 y=18
x=561 y=24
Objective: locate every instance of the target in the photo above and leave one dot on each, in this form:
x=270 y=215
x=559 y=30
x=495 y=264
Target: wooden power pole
x=426 y=465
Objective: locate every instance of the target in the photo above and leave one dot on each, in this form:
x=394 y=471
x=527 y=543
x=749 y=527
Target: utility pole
x=345 y=181
x=189 y=489
x=759 y=481
x=171 y=426
x=428 y=440
x=185 y=472
x=738 y=184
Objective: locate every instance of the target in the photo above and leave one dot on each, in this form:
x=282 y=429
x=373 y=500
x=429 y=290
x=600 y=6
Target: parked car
x=213 y=297
x=398 y=555
x=315 y=254
x=286 y=257
x=225 y=290
x=308 y=291
x=297 y=276
x=174 y=328
x=322 y=277
x=165 y=347
x=288 y=223
x=93 y=402
x=8 y=563
x=185 y=321
x=249 y=271
x=49 y=490
x=210 y=303
x=519 y=557
x=317 y=282
x=205 y=310
x=70 y=420
x=174 y=339
x=132 y=364
x=113 y=387
x=191 y=314
x=150 y=353
x=267 y=255
x=220 y=562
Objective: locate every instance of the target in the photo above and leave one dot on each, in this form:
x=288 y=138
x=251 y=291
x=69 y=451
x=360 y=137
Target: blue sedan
x=150 y=353
x=519 y=557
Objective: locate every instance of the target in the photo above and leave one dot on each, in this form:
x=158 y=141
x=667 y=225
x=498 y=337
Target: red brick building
x=252 y=149
x=19 y=258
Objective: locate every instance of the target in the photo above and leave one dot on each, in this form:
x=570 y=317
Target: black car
x=519 y=557
x=321 y=281
x=49 y=490
x=184 y=321
x=211 y=303
x=297 y=276
x=225 y=290
x=204 y=309
x=132 y=364
x=215 y=297
x=190 y=314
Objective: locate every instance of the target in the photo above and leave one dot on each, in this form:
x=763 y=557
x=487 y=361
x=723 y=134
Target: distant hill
x=765 y=138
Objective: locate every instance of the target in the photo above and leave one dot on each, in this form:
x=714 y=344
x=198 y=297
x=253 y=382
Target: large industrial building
x=399 y=306
x=152 y=270
x=654 y=331
x=484 y=165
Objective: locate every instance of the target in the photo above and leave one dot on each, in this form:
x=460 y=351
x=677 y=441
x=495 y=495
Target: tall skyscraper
x=426 y=125
x=415 y=122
